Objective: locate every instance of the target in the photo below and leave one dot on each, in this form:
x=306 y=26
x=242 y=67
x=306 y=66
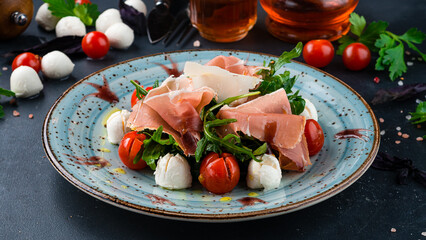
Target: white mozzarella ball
x=25 y=82
x=70 y=26
x=116 y=126
x=107 y=19
x=56 y=65
x=45 y=19
x=265 y=174
x=173 y=172
x=137 y=4
x=310 y=112
x=120 y=36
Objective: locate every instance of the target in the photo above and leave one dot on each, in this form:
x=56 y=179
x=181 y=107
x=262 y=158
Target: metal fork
x=181 y=25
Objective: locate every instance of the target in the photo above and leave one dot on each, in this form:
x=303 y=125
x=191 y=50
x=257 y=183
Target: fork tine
x=173 y=32
x=189 y=31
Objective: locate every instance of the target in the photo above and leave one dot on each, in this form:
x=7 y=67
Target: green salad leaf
x=6 y=93
x=419 y=116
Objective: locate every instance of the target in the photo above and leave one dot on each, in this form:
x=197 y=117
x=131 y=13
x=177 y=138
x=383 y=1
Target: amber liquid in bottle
x=223 y=20
x=304 y=20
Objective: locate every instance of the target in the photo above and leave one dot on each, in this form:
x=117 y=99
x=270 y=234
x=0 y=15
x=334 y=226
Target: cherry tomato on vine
x=356 y=56
x=314 y=136
x=134 y=98
x=95 y=44
x=219 y=174
x=27 y=59
x=318 y=53
x=129 y=147
x=83 y=1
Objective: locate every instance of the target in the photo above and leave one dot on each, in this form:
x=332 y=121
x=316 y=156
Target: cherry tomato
x=27 y=59
x=356 y=56
x=129 y=147
x=318 y=53
x=219 y=174
x=95 y=45
x=134 y=98
x=314 y=136
x=83 y=1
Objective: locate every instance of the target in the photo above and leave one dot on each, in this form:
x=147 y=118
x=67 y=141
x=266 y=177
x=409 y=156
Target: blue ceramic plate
x=75 y=142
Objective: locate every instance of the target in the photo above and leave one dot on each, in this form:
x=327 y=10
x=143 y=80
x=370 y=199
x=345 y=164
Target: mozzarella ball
x=107 y=19
x=173 y=172
x=116 y=126
x=45 y=19
x=137 y=4
x=310 y=112
x=120 y=36
x=265 y=174
x=70 y=26
x=56 y=65
x=25 y=82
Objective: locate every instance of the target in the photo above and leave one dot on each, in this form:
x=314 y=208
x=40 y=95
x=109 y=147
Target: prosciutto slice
x=175 y=106
x=268 y=118
x=234 y=65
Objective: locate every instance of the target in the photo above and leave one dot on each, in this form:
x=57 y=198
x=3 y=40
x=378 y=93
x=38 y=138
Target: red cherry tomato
x=219 y=174
x=318 y=53
x=27 y=59
x=356 y=56
x=134 y=98
x=129 y=147
x=314 y=136
x=83 y=1
x=95 y=45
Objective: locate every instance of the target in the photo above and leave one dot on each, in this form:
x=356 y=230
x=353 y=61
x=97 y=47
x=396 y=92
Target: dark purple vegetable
x=398 y=93
x=133 y=18
x=403 y=166
x=70 y=45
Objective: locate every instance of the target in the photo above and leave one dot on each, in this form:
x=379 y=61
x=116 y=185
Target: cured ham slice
x=177 y=110
x=285 y=132
x=234 y=65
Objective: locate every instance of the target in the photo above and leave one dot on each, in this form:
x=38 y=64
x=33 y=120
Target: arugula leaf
x=287 y=56
x=261 y=150
x=88 y=13
x=140 y=92
x=419 y=115
x=6 y=93
x=297 y=103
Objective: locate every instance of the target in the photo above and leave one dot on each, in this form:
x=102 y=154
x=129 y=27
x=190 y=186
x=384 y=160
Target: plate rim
x=291 y=207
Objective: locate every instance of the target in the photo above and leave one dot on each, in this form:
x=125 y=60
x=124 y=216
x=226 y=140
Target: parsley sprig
x=389 y=45
x=88 y=13
x=272 y=81
x=419 y=115
x=6 y=93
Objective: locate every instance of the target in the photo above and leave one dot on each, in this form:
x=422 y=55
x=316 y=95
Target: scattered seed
x=410 y=63
x=400 y=134
x=420 y=59
x=408 y=117
x=401 y=111
x=424 y=234
x=418 y=101
x=393 y=230
x=197 y=43
x=31 y=116
x=15 y=113
x=381 y=120
x=397 y=142
x=407 y=53
x=413 y=58
x=419 y=139
x=419 y=126
x=13 y=102
x=400 y=83
x=401 y=78
x=405 y=135
x=4 y=69
x=376 y=79
x=382 y=132
x=398 y=128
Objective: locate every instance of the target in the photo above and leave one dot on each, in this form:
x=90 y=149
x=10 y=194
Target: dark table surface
x=38 y=203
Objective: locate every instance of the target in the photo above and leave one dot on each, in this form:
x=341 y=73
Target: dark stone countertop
x=38 y=203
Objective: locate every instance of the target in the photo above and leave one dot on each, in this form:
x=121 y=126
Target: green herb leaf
x=384 y=43
x=140 y=92
x=261 y=150
x=372 y=33
x=297 y=103
x=6 y=92
x=394 y=57
x=344 y=42
x=414 y=36
x=1 y=111
x=88 y=13
x=419 y=116
x=201 y=147
x=357 y=24
x=287 y=56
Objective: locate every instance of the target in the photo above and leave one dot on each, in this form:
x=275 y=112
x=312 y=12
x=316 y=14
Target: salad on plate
x=219 y=122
